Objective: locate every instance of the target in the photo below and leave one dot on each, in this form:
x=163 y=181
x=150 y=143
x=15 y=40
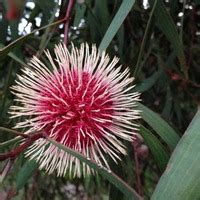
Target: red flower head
x=83 y=103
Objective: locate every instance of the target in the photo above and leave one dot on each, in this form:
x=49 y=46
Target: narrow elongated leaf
x=166 y=112
x=5 y=50
x=116 y=23
x=148 y=82
x=17 y=59
x=79 y=14
x=26 y=173
x=163 y=129
x=3 y=25
x=181 y=179
x=47 y=33
x=47 y=8
x=168 y=27
x=120 y=38
x=157 y=149
x=109 y=175
x=102 y=13
x=4 y=145
x=141 y=52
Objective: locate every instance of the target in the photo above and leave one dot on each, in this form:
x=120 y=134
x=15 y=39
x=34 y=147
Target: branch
x=29 y=141
x=14 y=132
x=67 y=17
x=137 y=169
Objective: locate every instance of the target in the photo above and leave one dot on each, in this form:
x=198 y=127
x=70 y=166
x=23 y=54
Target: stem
x=6 y=169
x=109 y=175
x=182 y=20
x=15 y=132
x=21 y=148
x=69 y=9
x=8 y=142
x=137 y=172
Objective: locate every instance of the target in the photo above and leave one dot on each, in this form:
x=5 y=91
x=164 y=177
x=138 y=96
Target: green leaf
x=168 y=27
x=181 y=179
x=14 y=57
x=166 y=112
x=5 y=50
x=141 y=52
x=120 y=38
x=47 y=33
x=7 y=143
x=47 y=8
x=162 y=128
x=120 y=16
x=79 y=14
x=102 y=13
x=17 y=59
x=148 y=82
x=25 y=173
x=34 y=13
x=93 y=23
x=156 y=147
x=3 y=25
x=109 y=175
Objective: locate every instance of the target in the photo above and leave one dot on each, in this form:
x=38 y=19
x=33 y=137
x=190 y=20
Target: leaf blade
x=168 y=27
x=26 y=173
x=157 y=149
x=180 y=181
x=120 y=16
x=144 y=39
x=5 y=50
x=163 y=129
x=110 y=176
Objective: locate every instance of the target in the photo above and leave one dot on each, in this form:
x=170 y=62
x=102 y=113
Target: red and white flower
x=84 y=102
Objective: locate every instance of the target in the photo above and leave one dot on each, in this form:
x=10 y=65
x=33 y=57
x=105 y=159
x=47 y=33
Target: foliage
x=160 y=44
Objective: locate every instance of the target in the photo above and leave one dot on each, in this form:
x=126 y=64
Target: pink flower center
x=76 y=110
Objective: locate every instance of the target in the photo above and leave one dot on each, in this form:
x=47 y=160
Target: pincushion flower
x=84 y=102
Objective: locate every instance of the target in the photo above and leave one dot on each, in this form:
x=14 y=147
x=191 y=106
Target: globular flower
x=83 y=101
